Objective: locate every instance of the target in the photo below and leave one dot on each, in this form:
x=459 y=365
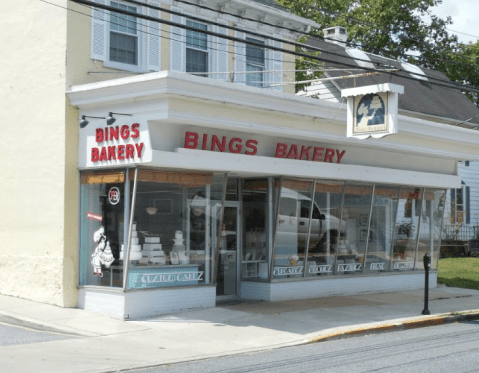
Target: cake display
x=135 y=247
x=178 y=254
x=152 y=249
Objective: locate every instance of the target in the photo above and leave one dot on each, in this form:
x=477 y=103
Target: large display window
x=149 y=228
x=326 y=228
x=257 y=218
x=172 y=238
x=104 y=196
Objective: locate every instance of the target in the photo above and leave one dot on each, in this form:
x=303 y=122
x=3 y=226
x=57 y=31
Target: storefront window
x=172 y=232
x=102 y=228
x=429 y=240
x=326 y=228
x=385 y=202
x=352 y=245
x=406 y=230
x=255 y=256
x=292 y=228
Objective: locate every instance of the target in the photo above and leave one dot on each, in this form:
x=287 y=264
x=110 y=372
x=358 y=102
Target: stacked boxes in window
x=135 y=248
x=152 y=249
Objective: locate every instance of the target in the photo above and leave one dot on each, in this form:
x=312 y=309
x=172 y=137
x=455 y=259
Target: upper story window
x=124 y=41
x=255 y=63
x=123 y=36
x=258 y=66
x=196 y=48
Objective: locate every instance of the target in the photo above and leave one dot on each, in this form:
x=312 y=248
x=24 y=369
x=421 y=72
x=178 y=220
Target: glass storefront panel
x=182 y=236
x=406 y=230
x=429 y=240
x=383 y=215
x=326 y=226
x=292 y=228
x=352 y=245
x=172 y=229
x=255 y=256
x=102 y=228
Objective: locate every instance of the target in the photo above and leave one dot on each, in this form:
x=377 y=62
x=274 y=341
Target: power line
x=376 y=26
x=90 y=4
x=256 y=34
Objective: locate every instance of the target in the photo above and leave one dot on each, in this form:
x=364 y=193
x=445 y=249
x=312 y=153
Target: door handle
x=301 y=223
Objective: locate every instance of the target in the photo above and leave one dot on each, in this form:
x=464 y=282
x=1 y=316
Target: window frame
x=265 y=57
x=141 y=43
x=208 y=50
x=454 y=205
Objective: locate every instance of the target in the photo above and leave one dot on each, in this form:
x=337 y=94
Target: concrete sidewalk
x=101 y=344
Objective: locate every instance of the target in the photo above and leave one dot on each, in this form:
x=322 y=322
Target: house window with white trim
x=255 y=63
x=197 y=48
x=125 y=41
x=460 y=205
x=123 y=35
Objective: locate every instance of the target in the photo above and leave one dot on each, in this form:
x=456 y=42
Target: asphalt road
x=11 y=335
x=445 y=348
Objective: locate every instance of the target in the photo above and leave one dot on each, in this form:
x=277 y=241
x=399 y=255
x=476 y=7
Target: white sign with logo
x=372 y=110
x=124 y=142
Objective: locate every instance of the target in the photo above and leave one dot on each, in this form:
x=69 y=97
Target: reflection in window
x=406 y=230
x=292 y=228
x=326 y=228
x=176 y=226
x=430 y=228
x=385 y=202
x=352 y=247
x=255 y=256
x=102 y=228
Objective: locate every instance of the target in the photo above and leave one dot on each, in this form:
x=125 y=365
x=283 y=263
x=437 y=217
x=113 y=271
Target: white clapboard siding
x=470 y=177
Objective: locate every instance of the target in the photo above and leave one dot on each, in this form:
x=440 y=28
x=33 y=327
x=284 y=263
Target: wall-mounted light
x=84 y=122
x=110 y=120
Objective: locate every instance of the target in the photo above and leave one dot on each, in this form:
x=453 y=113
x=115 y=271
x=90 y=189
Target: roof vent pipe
x=336 y=35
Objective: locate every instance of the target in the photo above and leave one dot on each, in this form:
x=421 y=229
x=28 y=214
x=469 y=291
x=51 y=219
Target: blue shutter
x=178 y=43
x=98 y=32
x=222 y=53
x=453 y=204
x=277 y=65
x=240 y=58
x=154 y=33
x=468 y=206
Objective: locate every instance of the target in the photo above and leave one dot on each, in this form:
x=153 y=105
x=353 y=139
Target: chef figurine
x=102 y=253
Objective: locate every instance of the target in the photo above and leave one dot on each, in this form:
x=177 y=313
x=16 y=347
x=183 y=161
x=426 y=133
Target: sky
x=464 y=14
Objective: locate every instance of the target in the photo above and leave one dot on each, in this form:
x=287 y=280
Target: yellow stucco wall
x=33 y=131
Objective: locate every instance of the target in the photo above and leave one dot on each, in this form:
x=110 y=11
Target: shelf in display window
x=254 y=261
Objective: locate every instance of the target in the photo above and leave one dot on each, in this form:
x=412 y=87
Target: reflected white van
x=293 y=221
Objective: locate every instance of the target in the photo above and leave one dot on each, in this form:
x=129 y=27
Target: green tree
x=395 y=29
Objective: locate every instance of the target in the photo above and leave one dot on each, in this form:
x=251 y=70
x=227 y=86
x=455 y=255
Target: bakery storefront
x=176 y=214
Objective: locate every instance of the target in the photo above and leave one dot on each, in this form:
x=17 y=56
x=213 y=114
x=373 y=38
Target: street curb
x=404 y=325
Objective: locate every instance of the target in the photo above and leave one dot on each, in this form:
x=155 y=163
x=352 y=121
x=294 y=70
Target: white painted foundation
x=304 y=289
x=139 y=304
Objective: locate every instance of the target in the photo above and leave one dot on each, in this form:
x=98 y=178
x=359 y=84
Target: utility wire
x=87 y=3
x=376 y=26
x=450 y=84
x=301 y=45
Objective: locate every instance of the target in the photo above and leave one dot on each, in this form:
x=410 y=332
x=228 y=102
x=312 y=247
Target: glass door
x=227 y=279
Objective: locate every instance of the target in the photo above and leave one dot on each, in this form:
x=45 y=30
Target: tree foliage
x=396 y=29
